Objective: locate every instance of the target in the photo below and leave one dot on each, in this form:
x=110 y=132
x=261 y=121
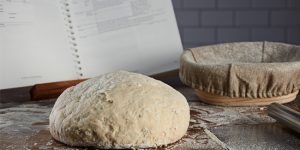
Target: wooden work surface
x=24 y=125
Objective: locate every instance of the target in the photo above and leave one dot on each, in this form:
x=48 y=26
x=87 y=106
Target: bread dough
x=120 y=110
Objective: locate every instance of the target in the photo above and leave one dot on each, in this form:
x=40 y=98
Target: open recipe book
x=56 y=40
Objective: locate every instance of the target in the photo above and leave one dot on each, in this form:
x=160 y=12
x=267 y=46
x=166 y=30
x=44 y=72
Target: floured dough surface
x=120 y=110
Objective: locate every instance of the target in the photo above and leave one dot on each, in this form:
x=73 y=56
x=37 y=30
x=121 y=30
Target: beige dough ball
x=120 y=110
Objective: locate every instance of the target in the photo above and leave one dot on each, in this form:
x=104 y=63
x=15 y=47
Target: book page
x=134 y=35
x=33 y=44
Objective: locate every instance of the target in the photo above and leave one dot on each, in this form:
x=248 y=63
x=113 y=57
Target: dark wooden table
x=24 y=125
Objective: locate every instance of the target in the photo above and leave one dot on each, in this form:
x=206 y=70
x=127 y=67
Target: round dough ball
x=120 y=110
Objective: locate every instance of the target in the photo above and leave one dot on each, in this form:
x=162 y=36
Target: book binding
x=71 y=36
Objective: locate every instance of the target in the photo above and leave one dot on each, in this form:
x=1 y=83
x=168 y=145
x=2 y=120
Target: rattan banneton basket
x=244 y=73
